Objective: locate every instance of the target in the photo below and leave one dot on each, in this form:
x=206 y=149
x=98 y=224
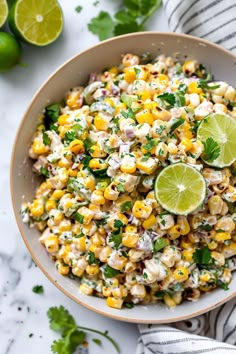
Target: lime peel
x=180 y=189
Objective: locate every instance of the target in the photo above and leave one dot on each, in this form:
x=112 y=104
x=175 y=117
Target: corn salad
x=99 y=153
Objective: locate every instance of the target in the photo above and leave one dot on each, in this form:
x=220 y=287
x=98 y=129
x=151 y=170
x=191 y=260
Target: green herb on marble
x=38 y=289
x=72 y=335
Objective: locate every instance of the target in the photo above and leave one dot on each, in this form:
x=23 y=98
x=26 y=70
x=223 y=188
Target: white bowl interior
x=74 y=73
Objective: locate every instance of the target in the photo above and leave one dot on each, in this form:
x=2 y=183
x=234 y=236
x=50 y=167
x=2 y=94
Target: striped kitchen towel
x=210 y=19
x=214 y=332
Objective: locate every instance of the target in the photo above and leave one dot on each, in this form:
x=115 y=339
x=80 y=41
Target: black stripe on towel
x=197 y=12
x=209 y=19
x=217 y=28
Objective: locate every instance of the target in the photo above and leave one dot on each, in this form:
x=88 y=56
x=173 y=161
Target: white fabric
x=210 y=19
x=214 y=332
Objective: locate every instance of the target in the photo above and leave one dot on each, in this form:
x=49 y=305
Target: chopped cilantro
x=176 y=124
x=78 y=8
x=120 y=188
x=38 y=289
x=211 y=149
x=129 y=113
x=137 y=71
x=110 y=272
x=70 y=136
x=118 y=224
x=91 y=258
x=146 y=156
x=128 y=305
x=168 y=98
x=202 y=256
x=126 y=206
x=151 y=143
x=222 y=285
x=78 y=217
x=116 y=239
x=44 y=172
x=159 y=244
x=204 y=83
x=97 y=341
x=160 y=294
x=46 y=139
x=102 y=25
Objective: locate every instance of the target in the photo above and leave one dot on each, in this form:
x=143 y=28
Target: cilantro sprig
x=72 y=335
x=131 y=17
x=211 y=150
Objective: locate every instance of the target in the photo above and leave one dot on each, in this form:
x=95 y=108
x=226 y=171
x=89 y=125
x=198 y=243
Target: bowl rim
x=34 y=257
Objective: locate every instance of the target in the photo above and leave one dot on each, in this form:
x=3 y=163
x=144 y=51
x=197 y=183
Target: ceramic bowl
x=23 y=182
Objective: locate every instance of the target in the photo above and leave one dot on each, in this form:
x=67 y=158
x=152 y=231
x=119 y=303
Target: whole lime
x=10 y=51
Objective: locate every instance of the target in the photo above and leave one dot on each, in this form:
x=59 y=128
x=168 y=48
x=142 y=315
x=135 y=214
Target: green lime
x=10 y=51
x=3 y=12
x=219 y=130
x=35 y=21
x=180 y=189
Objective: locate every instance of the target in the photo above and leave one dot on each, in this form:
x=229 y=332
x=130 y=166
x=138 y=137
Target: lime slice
x=10 y=51
x=36 y=22
x=3 y=12
x=180 y=189
x=222 y=129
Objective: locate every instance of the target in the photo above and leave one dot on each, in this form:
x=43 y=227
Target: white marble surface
x=21 y=311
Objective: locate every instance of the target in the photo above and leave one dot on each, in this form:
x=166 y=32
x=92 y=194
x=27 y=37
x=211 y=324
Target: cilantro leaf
x=116 y=239
x=60 y=319
x=168 y=98
x=44 y=172
x=91 y=258
x=78 y=217
x=202 y=256
x=204 y=83
x=70 y=136
x=128 y=114
x=222 y=285
x=110 y=272
x=52 y=112
x=125 y=206
x=97 y=341
x=211 y=149
x=176 y=124
x=72 y=335
x=123 y=28
x=78 y=8
x=102 y=25
x=46 y=139
x=151 y=143
x=120 y=188
x=160 y=243
x=38 y=289
x=118 y=224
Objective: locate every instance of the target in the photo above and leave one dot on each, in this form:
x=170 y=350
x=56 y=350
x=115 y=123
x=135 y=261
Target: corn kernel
x=141 y=210
x=37 y=208
x=188 y=255
x=130 y=75
x=92 y=269
x=114 y=302
x=181 y=274
x=57 y=194
x=95 y=151
x=62 y=268
x=52 y=244
x=74 y=100
x=101 y=123
x=130 y=240
x=186 y=144
x=77 y=146
x=144 y=116
x=149 y=222
x=39 y=148
x=50 y=204
x=174 y=232
x=63 y=119
x=169 y=301
x=193 y=88
x=148 y=166
x=85 y=289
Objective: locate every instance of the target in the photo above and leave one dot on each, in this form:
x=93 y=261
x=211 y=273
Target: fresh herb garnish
x=130 y=18
x=125 y=206
x=211 y=150
x=70 y=136
x=128 y=305
x=120 y=188
x=91 y=258
x=204 y=83
x=97 y=341
x=168 y=98
x=176 y=124
x=46 y=139
x=206 y=227
x=222 y=285
x=44 y=172
x=128 y=114
x=146 y=156
x=159 y=244
x=151 y=143
x=38 y=289
x=160 y=294
x=72 y=335
x=202 y=256
x=118 y=224
x=78 y=217
x=78 y=8
x=110 y=272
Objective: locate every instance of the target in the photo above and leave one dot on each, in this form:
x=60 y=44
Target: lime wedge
x=3 y=12
x=36 y=22
x=180 y=189
x=222 y=129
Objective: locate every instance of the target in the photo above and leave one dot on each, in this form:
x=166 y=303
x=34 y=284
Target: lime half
x=180 y=189
x=3 y=12
x=220 y=128
x=36 y=22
